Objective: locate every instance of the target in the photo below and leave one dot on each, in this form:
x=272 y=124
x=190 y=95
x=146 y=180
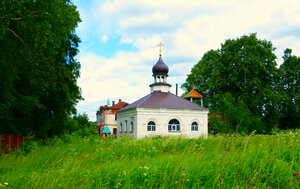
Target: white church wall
x=127 y=116
x=161 y=117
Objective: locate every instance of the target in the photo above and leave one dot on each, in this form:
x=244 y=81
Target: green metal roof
x=106 y=130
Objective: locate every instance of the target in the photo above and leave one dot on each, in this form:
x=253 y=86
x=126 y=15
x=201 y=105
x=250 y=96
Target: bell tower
x=160 y=73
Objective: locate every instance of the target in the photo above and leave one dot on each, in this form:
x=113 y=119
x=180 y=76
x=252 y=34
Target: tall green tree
x=290 y=85
x=246 y=69
x=38 y=71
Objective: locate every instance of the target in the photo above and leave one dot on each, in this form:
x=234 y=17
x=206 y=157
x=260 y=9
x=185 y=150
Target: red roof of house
x=119 y=105
x=193 y=94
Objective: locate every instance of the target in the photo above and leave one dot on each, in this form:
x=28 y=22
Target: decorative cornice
x=160 y=83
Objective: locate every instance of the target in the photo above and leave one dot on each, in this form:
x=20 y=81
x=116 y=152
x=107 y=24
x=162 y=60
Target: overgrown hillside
x=217 y=162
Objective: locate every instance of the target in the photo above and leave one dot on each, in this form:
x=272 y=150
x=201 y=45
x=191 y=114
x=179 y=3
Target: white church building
x=161 y=112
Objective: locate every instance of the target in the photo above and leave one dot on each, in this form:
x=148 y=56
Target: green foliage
x=83 y=120
x=290 y=89
x=246 y=69
x=235 y=118
x=27 y=147
x=38 y=70
x=75 y=123
x=216 y=124
x=92 y=124
x=256 y=161
x=85 y=132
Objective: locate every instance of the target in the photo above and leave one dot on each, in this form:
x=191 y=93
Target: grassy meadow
x=257 y=161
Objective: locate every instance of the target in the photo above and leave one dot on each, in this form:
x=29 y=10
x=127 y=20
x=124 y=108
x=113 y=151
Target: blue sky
x=119 y=39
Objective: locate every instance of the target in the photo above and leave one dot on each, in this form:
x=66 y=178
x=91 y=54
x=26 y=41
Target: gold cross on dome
x=160 y=45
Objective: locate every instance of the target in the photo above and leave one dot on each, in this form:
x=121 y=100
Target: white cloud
x=290 y=42
x=187 y=28
x=126 y=40
x=147 y=43
x=104 y=38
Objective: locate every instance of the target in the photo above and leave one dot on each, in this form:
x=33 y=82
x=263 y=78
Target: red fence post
x=7 y=143
x=16 y=142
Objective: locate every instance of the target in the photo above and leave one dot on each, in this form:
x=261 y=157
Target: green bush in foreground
x=161 y=162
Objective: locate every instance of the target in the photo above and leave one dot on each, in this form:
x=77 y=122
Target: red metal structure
x=11 y=142
x=16 y=142
x=7 y=143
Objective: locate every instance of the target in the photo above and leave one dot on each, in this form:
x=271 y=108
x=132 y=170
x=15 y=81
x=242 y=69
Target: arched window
x=121 y=127
x=174 y=125
x=194 y=126
x=131 y=127
x=151 y=126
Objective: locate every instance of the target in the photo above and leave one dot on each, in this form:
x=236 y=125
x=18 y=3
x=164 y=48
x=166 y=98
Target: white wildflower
x=145 y=174
x=6 y=183
x=146 y=167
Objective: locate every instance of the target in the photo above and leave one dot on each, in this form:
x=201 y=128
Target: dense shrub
x=235 y=118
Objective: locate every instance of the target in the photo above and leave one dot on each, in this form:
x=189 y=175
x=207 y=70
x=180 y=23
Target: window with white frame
x=194 y=126
x=131 y=126
x=151 y=126
x=121 y=127
x=125 y=129
x=174 y=125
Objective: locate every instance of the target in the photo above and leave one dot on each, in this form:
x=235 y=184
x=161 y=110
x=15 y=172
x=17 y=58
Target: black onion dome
x=160 y=67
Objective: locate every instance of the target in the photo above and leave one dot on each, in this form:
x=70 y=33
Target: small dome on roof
x=160 y=67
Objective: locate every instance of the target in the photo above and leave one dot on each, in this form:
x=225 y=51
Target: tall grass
x=257 y=161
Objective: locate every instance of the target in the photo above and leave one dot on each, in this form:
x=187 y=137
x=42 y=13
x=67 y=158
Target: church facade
x=161 y=112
